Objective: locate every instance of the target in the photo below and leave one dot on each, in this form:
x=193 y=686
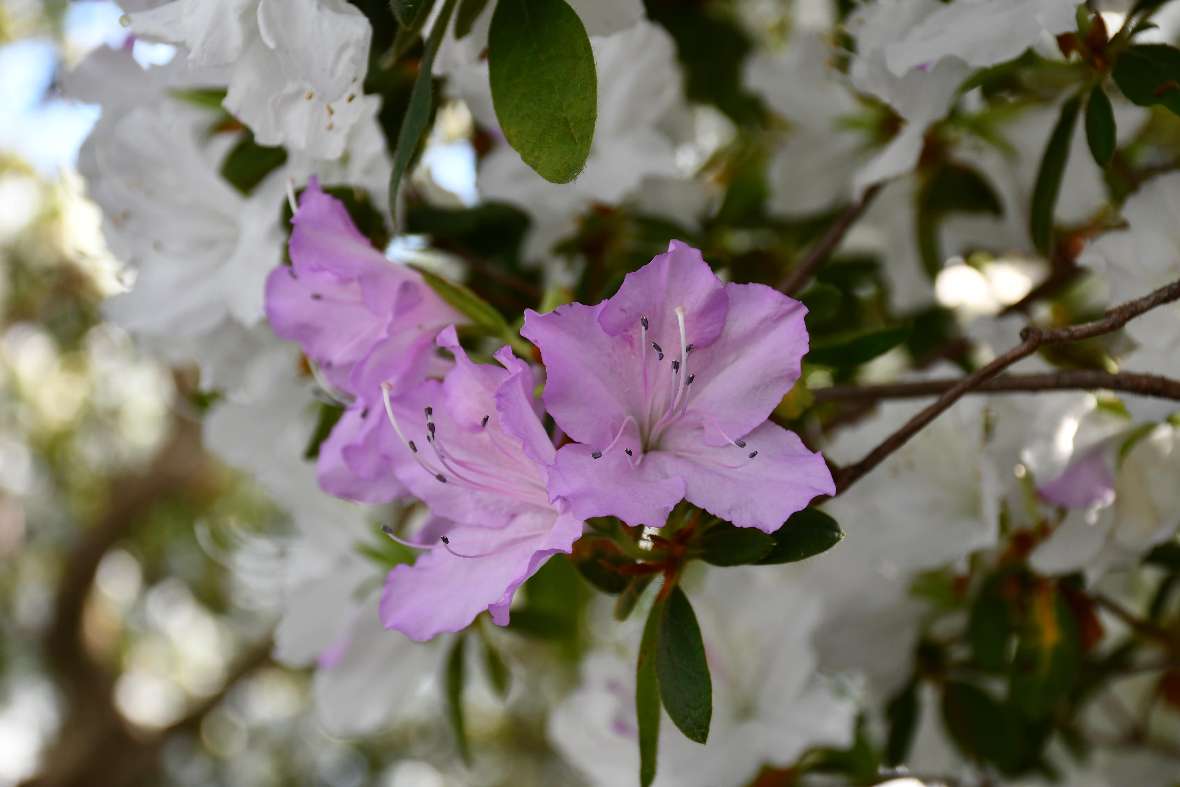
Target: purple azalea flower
x=1086 y=481
x=362 y=320
x=667 y=387
x=472 y=447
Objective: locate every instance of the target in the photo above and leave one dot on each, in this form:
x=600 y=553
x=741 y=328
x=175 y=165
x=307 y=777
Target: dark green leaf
x=326 y=419
x=1052 y=169
x=989 y=626
x=600 y=563
x=806 y=534
x=822 y=302
x=1048 y=657
x=685 y=686
x=726 y=545
x=469 y=11
x=456 y=676
x=481 y=313
x=647 y=695
x=498 y=673
x=1100 y=128
x=1149 y=74
x=544 y=85
x=408 y=34
x=631 y=595
x=420 y=106
x=981 y=727
x=853 y=350
x=247 y=164
x=902 y=715
x=1166 y=555
x=406 y=11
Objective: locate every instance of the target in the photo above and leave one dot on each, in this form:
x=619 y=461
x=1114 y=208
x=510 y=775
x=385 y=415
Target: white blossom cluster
x=797 y=652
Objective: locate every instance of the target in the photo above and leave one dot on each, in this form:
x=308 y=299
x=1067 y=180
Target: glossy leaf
x=455 y=678
x=902 y=715
x=481 y=313
x=647 y=696
x=685 y=686
x=631 y=595
x=1052 y=169
x=544 y=84
x=1100 y=126
x=1149 y=74
x=726 y=545
x=806 y=534
x=420 y=107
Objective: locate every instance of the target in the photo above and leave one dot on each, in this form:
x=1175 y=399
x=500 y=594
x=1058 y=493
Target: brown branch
x=1067 y=380
x=1032 y=339
x=798 y=277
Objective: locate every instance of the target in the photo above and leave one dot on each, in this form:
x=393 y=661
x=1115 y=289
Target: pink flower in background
x=472 y=447
x=363 y=320
x=667 y=387
x=1087 y=481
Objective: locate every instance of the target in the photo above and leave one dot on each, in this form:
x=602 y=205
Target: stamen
x=364 y=413
x=596 y=455
x=643 y=321
x=752 y=454
x=315 y=296
x=740 y=443
x=442 y=479
x=676 y=367
x=413 y=447
x=659 y=351
x=689 y=348
x=627 y=451
x=484 y=421
x=434 y=471
x=291 y=197
x=689 y=379
x=387 y=530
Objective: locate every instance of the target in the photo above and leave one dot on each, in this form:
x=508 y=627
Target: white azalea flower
x=769 y=705
x=296 y=65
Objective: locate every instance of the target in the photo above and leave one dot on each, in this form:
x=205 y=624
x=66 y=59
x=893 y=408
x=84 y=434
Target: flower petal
x=743 y=376
x=444 y=592
x=679 y=277
x=613 y=485
x=763 y=491
x=356 y=460
x=593 y=381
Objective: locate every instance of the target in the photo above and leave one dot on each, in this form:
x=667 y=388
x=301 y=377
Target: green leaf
x=207 y=97
x=247 y=164
x=544 y=85
x=1166 y=555
x=902 y=715
x=408 y=34
x=406 y=11
x=806 y=534
x=822 y=302
x=481 y=313
x=726 y=545
x=647 y=696
x=1100 y=126
x=858 y=348
x=981 y=727
x=326 y=419
x=631 y=595
x=1048 y=657
x=600 y=563
x=456 y=676
x=989 y=626
x=498 y=673
x=1052 y=169
x=1149 y=74
x=420 y=106
x=685 y=686
x=469 y=11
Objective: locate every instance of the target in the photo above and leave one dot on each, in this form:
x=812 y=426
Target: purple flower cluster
x=664 y=391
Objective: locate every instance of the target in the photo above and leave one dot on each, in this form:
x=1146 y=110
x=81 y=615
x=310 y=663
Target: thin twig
x=1032 y=339
x=1138 y=625
x=1151 y=385
x=798 y=277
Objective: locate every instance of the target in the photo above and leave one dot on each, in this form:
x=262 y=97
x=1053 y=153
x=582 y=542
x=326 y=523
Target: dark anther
x=315 y=296
x=430 y=427
x=484 y=421
x=365 y=413
x=413 y=447
x=689 y=349
x=658 y=349
x=676 y=367
x=596 y=455
x=688 y=380
x=752 y=454
x=429 y=411
x=643 y=321
x=442 y=479
x=445 y=540
x=627 y=451
x=740 y=443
